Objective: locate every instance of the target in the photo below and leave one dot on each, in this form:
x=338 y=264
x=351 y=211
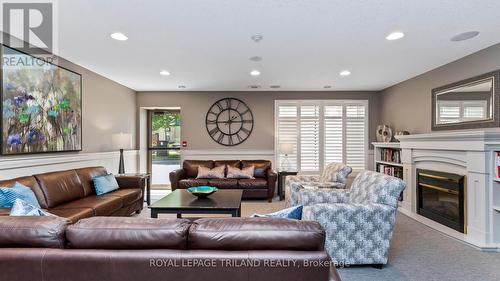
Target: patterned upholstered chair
x=334 y=176
x=359 y=222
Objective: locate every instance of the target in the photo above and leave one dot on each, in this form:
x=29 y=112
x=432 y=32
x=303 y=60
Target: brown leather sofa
x=262 y=187
x=70 y=194
x=123 y=249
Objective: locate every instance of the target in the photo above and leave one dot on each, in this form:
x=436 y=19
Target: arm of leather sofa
x=175 y=177
x=131 y=182
x=272 y=177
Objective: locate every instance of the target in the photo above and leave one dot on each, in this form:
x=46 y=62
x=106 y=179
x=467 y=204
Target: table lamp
x=285 y=148
x=121 y=141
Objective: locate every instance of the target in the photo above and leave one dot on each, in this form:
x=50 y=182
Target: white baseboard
x=25 y=165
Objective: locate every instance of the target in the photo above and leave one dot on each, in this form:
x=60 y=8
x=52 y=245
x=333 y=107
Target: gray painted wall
x=194 y=106
x=407 y=105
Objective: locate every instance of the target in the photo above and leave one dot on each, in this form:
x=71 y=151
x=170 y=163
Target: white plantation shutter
x=309 y=138
x=333 y=137
x=322 y=132
x=355 y=136
x=288 y=132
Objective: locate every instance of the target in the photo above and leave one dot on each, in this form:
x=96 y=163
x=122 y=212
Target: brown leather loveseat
x=70 y=194
x=262 y=187
x=131 y=249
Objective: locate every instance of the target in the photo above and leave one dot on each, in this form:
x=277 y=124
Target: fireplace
x=440 y=197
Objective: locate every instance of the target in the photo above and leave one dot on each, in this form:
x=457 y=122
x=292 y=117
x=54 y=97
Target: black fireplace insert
x=441 y=197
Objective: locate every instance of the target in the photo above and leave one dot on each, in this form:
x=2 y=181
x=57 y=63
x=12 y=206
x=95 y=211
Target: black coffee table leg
x=154 y=214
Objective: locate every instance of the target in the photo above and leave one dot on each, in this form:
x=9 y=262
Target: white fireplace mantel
x=471 y=153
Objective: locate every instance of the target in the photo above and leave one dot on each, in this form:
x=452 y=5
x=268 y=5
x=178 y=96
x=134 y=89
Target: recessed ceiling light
x=464 y=36
x=256 y=58
x=255 y=73
x=118 y=36
x=256 y=38
x=275 y=86
x=395 y=35
x=327 y=87
x=181 y=86
x=254 y=86
x=345 y=73
x=165 y=73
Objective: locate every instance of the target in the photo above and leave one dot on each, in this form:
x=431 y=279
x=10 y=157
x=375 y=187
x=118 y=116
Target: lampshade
x=121 y=141
x=286 y=148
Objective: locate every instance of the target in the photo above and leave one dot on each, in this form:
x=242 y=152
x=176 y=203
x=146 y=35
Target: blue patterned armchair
x=359 y=222
x=334 y=176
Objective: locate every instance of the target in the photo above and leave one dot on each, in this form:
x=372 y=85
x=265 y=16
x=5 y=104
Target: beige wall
x=407 y=105
x=194 y=106
x=108 y=108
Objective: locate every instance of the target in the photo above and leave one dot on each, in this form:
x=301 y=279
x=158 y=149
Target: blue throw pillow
x=23 y=208
x=17 y=191
x=290 y=213
x=105 y=184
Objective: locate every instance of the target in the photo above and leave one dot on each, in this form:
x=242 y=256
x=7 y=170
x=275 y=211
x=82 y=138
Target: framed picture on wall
x=41 y=107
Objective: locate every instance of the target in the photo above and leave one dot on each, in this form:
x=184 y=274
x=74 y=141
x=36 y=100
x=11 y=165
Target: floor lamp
x=122 y=141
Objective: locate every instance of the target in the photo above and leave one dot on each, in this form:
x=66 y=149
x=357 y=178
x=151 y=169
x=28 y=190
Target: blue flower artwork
x=41 y=106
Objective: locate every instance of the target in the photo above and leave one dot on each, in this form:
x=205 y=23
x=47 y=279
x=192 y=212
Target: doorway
x=164 y=142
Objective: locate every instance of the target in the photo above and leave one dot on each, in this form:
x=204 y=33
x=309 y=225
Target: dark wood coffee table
x=182 y=202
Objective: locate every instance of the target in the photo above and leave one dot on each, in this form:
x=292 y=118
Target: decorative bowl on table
x=202 y=191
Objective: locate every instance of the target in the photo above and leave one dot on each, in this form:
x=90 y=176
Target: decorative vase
x=384 y=133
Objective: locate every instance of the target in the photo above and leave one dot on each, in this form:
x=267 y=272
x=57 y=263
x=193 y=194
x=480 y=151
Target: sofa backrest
x=261 y=166
x=372 y=187
x=237 y=234
x=33 y=232
x=30 y=182
x=60 y=187
x=86 y=175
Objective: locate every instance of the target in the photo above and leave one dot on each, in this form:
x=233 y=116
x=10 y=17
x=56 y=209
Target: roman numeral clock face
x=229 y=121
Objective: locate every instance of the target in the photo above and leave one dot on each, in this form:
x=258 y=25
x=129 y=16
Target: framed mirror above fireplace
x=467 y=104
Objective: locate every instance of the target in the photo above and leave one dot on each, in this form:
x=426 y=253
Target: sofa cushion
x=103 y=205
x=73 y=215
x=25 y=209
x=30 y=182
x=86 y=175
x=105 y=184
x=8 y=195
x=27 y=232
x=246 y=234
x=60 y=187
x=128 y=233
x=192 y=182
x=236 y=173
x=224 y=183
x=214 y=173
x=4 y=212
x=191 y=166
x=260 y=167
x=128 y=196
x=257 y=183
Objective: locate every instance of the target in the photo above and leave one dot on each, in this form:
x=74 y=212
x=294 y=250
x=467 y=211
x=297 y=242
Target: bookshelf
x=495 y=192
x=387 y=157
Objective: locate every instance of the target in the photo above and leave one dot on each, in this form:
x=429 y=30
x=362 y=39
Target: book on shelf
x=390 y=170
x=390 y=155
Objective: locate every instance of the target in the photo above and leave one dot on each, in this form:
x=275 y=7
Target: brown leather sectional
x=70 y=194
x=122 y=249
x=262 y=187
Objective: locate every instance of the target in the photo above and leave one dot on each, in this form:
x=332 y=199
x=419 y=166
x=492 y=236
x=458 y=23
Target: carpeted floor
x=417 y=253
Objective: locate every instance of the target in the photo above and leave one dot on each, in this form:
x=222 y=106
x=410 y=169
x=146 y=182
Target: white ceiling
x=206 y=44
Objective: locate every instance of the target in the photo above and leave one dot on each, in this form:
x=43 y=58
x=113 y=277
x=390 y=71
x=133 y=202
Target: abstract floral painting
x=41 y=105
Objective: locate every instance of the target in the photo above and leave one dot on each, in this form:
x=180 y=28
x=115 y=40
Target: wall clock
x=229 y=121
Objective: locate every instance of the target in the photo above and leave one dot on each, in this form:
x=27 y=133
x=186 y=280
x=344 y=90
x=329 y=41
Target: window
x=461 y=111
x=322 y=132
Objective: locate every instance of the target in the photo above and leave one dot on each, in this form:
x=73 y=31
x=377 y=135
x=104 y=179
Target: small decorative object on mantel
x=401 y=133
x=384 y=133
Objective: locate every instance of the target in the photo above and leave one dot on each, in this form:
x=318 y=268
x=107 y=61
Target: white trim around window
x=321 y=132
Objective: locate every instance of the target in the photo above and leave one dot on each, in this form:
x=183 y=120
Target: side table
x=147 y=178
x=281 y=182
